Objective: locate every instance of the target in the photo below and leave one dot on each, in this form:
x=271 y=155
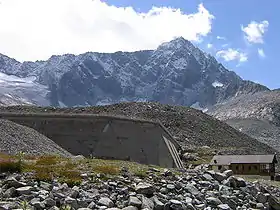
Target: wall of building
x=126 y=140
x=257 y=177
x=248 y=169
x=138 y=141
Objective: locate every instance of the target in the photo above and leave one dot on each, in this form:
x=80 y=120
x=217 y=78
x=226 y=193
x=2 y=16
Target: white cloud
x=225 y=45
x=254 y=32
x=32 y=29
x=261 y=53
x=232 y=54
x=221 y=38
x=209 y=46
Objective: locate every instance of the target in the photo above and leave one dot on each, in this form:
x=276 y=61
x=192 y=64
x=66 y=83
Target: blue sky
x=229 y=16
x=242 y=34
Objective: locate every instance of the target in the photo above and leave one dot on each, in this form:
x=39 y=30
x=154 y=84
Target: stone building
x=249 y=165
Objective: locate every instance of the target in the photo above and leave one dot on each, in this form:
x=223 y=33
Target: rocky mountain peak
x=177 y=72
x=8 y=65
x=177 y=43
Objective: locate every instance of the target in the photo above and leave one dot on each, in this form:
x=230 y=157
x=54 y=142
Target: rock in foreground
x=191 y=191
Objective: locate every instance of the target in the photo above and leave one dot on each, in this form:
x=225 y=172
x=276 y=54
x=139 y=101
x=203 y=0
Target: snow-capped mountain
x=176 y=72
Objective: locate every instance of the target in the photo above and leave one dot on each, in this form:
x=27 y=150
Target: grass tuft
x=106 y=169
x=141 y=173
x=47 y=160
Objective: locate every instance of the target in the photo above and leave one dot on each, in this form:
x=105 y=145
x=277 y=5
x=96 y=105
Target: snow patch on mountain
x=104 y=102
x=15 y=81
x=217 y=84
x=205 y=110
x=15 y=90
x=196 y=105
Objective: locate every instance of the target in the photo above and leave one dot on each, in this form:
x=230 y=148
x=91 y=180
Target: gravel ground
x=15 y=138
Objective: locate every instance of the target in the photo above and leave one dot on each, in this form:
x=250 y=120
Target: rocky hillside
x=257 y=115
x=191 y=127
x=262 y=105
x=16 y=138
x=261 y=130
x=176 y=72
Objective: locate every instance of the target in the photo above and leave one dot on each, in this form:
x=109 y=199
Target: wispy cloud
x=209 y=46
x=232 y=54
x=255 y=31
x=261 y=53
x=32 y=29
x=221 y=38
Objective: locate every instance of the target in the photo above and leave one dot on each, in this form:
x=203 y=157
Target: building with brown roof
x=260 y=165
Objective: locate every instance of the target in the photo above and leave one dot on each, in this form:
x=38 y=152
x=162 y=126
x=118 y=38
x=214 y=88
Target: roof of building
x=231 y=159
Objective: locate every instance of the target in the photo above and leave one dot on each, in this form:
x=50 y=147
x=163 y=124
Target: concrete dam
x=104 y=136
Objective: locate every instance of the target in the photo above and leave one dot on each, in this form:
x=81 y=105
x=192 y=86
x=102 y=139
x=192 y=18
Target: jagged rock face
x=262 y=106
x=175 y=73
x=257 y=115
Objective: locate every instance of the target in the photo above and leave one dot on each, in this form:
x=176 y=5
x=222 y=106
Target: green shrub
x=43 y=176
x=71 y=177
x=25 y=205
x=65 y=207
x=141 y=173
x=69 y=173
x=70 y=165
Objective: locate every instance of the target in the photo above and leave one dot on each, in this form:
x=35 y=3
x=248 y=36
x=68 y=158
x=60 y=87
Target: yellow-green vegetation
x=47 y=168
x=204 y=155
x=65 y=207
x=10 y=163
x=141 y=173
x=25 y=205
x=47 y=160
x=106 y=169
x=113 y=167
x=67 y=170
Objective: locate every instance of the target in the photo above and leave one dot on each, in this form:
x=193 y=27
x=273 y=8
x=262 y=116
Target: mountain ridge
x=257 y=115
x=176 y=72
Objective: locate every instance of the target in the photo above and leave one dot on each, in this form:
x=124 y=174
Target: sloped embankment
x=16 y=138
x=191 y=127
